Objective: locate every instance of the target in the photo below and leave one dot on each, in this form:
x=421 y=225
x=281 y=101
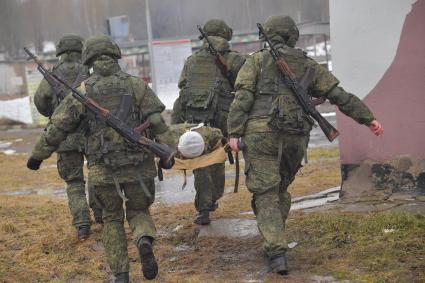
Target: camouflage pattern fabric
x=209 y=186
x=268 y=181
x=258 y=84
x=250 y=99
x=202 y=81
x=136 y=213
x=70 y=167
x=217 y=27
x=70 y=152
x=210 y=135
x=209 y=181
x=132 y=168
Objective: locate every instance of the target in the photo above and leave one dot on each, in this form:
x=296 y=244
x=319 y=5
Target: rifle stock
x=329 y=130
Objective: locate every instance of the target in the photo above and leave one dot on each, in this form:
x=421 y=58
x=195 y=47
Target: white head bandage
x=191 y=144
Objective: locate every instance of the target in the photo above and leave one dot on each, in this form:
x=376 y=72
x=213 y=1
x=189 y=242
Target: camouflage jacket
x=191 y=77
x=46 y=101
x=69 y=116
x=210 y=135
x=259 y=81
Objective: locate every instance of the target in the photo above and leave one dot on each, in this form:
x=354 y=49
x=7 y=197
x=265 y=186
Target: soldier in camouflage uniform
x=275 y=144
x=118 y=171
x=211 y=136
x=205 y=96
x=70 y=153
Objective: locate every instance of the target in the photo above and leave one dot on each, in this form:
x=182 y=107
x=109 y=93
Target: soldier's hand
x=167 y=164
x=376 y=128
x=34 y=164
x=234 y=144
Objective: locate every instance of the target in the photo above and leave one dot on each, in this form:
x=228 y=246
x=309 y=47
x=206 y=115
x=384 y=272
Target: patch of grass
x=39 y=243
x=357 y=246
x=318 y=153
x=15 y=175
x=8 y=228
x=41 y=246
x=315 y=177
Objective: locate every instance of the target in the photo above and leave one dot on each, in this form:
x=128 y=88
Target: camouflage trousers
x=209 y=186
x=136 y=213
x=268 y=180
x=70 y=167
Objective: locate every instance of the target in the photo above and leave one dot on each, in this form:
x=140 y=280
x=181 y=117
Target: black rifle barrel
x=219 y=60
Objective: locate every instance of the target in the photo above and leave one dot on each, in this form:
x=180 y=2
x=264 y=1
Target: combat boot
x=279 y=264
x=122 y=277
x=203 y=218
x=147 y=258
x=97 y=212
x=214 y=206
x=83 y=232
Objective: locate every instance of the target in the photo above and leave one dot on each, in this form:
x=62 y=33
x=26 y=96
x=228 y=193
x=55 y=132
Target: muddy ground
x=37 y=242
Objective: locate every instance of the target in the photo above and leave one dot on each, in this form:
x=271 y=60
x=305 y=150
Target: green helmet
x=70 y=42
x=99 y=45
x=283 y=26
x=219 y=28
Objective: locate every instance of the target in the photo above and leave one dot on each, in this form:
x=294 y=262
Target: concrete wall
x=378 y=50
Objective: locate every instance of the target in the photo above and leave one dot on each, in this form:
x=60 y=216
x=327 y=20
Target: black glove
x=34 y=164
x=167 y=165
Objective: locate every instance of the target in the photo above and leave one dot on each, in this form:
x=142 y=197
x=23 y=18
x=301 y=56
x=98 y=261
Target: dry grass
x=38 y=244
x=377 y=247
x=321 y=173
x=15 y=176
x=37 y=241
x=315 y=177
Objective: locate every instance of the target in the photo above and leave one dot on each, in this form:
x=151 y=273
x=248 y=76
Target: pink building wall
x=397 y=98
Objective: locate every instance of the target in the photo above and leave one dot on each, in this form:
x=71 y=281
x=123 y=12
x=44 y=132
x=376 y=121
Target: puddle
x=58 y=192
x=5 y=144
x=233 y=228
x=8 y=151
x=170 y=190
x=21 y=141
x=167 y=192
x=5 y=148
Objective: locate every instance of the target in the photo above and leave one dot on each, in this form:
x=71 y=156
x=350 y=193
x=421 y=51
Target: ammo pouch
x=286 y=115
x=201 y=105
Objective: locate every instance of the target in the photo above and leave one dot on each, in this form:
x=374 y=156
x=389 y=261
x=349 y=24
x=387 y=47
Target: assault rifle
x=300 y=92
x=219 y=59
x=221 y=64
x=59 y=89
x=135 y=137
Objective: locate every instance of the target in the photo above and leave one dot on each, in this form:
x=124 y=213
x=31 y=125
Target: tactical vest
x=207 y=91
x=74 y=73
x=275 y=100
x=105 y=145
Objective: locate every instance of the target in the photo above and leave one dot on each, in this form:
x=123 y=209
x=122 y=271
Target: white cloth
x=191 y=144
